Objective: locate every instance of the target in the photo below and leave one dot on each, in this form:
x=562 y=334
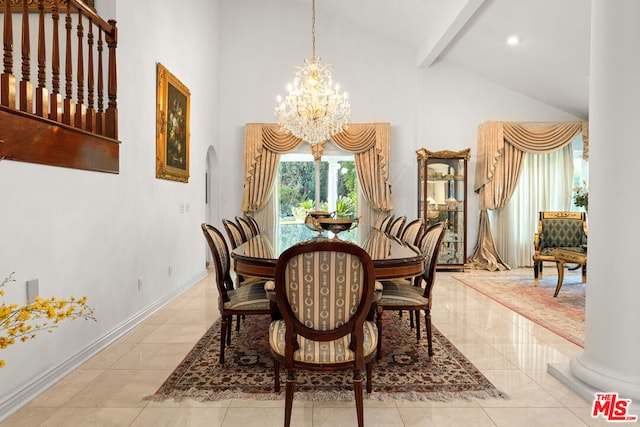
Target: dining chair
x=241 y=301
x=386 y=223
x=246 y=227
x=324 y=290
x=253 y=222
x=397 y=226
x=234 y=233
x=398 y=294
x=413 y=232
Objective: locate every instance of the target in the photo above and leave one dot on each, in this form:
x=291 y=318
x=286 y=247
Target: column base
x=563 y=372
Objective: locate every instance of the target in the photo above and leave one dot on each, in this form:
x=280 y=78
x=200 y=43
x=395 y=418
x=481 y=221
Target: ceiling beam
x=434 y=46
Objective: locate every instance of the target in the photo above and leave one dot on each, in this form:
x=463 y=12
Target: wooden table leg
x=560 y=265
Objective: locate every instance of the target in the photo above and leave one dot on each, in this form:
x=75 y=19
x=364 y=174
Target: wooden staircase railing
x=43 y=125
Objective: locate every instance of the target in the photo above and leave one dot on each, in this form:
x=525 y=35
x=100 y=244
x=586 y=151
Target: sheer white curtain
x=545 y=185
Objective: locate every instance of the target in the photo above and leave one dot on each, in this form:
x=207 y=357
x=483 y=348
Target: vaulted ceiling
x=550 y=63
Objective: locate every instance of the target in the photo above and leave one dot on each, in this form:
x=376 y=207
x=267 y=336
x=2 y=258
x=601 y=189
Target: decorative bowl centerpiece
x=337 y=225
x=313 y=216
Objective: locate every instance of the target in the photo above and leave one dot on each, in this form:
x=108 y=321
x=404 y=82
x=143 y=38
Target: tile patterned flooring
x=510 y=350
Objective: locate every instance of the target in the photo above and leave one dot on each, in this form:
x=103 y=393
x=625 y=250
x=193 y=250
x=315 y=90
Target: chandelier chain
x=313 y=30
x=314 y=109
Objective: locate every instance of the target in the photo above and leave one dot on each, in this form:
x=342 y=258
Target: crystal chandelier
x=314 y=110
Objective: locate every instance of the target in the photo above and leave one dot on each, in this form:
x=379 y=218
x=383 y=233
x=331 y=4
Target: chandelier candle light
x=314 y=110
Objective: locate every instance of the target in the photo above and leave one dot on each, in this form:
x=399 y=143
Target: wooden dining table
x=391 y=257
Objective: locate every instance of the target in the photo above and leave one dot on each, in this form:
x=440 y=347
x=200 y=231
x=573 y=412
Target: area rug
x=563 y=315
x=404 y=372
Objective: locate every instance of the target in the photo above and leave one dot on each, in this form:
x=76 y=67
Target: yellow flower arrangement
x=24 y=322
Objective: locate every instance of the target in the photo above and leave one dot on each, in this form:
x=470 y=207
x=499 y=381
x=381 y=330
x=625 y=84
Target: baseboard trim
x=31 y=390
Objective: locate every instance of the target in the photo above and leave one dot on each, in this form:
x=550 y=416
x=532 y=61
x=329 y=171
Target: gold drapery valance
x=264 y=143
x=501 y=150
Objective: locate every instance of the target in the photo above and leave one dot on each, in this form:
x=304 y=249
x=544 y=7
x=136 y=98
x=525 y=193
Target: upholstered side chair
x=413 y=232
x=397 y=226
x=386 y=223
x=246 y=227
x=253 y=222
x=398 y=294
x=243 y=301
x=324 y=290
x=558 y=230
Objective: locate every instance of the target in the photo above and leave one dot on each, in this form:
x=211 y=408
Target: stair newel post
x=91 y=112
x=100 y=125
x=55 y=100
x=112 y=86
x=7 y=79
x=80 y=109
x=68 y=71
x=42 y=104
x=26 y=87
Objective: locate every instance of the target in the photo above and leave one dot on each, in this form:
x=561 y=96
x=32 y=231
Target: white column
x=610 y=361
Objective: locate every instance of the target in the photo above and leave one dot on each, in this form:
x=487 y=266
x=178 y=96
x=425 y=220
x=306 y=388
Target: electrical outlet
x=33 y=289
x=139 y=284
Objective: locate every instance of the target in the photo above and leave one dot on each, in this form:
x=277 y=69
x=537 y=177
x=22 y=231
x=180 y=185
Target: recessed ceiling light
x=513 y=40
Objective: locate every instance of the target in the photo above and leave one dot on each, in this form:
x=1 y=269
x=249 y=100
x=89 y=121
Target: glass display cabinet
x=442 y=195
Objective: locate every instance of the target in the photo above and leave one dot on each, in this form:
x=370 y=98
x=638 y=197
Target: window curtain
x=501 y=152
x=264 y=143
x=545 y=185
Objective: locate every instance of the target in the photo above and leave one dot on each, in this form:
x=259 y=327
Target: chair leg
x=417 y=325
x=238 y=323
x=229 y=322
x=288 y=399
x=427 y=320
x=223 y=333
x=411 y=322
x=357 y=390
x=379 y=325
x=276 y=376
x=536 y=266
x=369 y=377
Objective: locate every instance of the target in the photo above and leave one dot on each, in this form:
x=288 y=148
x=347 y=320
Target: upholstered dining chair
x=243 y=301
x=397 y=226
x=234 y=233
x=324 y=290
x=386 y=223
x=398 y=294
x=246 y=227
x=413 y=232
x=253 y=223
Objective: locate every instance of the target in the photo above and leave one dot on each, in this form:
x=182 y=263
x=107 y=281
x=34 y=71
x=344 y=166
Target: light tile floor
x=510 y=350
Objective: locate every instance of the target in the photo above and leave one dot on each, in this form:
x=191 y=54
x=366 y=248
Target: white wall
x=94 y=234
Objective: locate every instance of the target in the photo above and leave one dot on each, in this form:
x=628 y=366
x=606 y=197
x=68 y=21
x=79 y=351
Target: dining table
x=392 y=258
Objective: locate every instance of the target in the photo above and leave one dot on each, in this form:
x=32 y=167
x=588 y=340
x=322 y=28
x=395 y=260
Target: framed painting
x=16 y=5
x=172 y=127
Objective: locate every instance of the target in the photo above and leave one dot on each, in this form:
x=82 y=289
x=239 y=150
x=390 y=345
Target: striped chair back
x=413 y=231
x=234 y=233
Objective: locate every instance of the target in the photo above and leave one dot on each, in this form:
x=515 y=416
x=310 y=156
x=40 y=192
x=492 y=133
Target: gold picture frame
x=172 y=127
x=16 y=5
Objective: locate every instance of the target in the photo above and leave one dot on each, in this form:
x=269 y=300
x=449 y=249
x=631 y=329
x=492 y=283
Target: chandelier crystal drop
x=314 y=110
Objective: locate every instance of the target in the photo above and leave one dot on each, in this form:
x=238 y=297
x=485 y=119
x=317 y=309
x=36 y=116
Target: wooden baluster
x=81 y=109
x=55 y=101
x=91 y=112
x=100 y=125
x=26 y=87
x=112 y=86
x=68 y=112
x=7 y=79
x=42 y=104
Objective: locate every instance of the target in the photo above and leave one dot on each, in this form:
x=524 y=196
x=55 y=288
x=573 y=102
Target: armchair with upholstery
x=558 y=230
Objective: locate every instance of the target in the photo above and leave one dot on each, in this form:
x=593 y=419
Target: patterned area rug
x=404 y=372
x=563 y=315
